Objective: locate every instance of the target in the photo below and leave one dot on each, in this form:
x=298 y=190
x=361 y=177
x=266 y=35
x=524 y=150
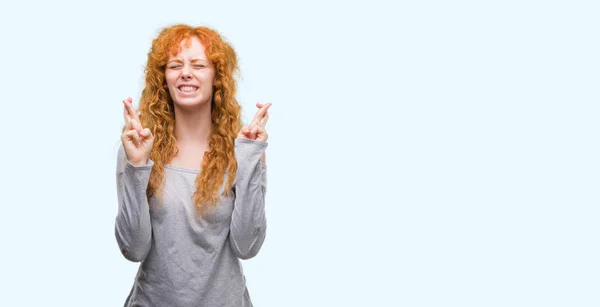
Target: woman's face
x=190 y=75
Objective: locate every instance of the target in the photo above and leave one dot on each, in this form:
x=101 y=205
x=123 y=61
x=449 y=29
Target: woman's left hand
x=256 y=129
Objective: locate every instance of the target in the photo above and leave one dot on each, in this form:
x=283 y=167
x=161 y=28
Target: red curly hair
x=157 y=113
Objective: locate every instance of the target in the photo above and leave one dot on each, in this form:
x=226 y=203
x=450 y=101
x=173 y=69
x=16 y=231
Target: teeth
x=188 y=88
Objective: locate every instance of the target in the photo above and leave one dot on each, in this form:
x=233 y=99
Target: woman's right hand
x=137 y=140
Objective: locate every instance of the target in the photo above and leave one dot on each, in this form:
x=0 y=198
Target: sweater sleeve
x=248 y=221
x=133 y=229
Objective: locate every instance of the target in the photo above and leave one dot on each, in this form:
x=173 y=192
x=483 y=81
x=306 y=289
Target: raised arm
x=248 y=222
x=133 y=229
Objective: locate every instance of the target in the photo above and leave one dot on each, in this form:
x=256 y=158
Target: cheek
x=206 y=79
x=209 y=77
x=170 y=79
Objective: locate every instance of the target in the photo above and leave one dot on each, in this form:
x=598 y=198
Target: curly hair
x=157 y=114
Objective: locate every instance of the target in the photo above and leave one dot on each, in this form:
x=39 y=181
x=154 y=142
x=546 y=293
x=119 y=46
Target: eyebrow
x=194 y=60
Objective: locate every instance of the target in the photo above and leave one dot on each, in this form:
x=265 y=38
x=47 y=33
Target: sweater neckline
x=182 y=169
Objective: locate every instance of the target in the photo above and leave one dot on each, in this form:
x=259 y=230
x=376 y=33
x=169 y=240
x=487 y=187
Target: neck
x=192 y=127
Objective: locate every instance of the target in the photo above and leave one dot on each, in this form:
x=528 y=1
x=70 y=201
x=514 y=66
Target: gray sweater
x=186 y=260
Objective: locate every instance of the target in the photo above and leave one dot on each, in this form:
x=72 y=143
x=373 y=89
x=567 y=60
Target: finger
x=136 y=137
x=146 y=133
x=133 y=137
x=263 y=121
x=261 y=134
x=260 y=105
x=246 y=131
x=254 y=131
x=130 y=109
x=136 y=126
x=129 y=125
x=260 y=113
x=125 y=112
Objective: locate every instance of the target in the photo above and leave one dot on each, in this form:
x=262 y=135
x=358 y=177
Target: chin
x=189 y=102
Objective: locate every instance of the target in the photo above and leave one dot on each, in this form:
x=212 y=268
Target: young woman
x=191 y=180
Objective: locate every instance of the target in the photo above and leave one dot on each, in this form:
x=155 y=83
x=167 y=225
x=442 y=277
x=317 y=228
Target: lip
x=187 y=84
x=185 y=93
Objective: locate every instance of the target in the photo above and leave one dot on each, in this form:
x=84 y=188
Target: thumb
x=261 y=134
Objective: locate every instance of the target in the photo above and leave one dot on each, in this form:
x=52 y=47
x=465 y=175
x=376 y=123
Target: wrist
x=138 y=163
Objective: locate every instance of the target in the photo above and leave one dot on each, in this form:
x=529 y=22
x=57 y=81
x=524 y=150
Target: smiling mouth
x=188 y=88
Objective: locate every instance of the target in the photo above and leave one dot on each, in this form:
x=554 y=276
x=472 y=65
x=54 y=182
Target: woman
x=191 y=180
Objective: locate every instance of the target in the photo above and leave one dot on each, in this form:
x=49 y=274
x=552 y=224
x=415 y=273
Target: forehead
x=188 y=48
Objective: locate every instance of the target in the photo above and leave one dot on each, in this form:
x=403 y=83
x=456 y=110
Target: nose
x=186 y=72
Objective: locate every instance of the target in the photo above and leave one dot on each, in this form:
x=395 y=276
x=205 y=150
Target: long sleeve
x=133 y=229
x=248 y=221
